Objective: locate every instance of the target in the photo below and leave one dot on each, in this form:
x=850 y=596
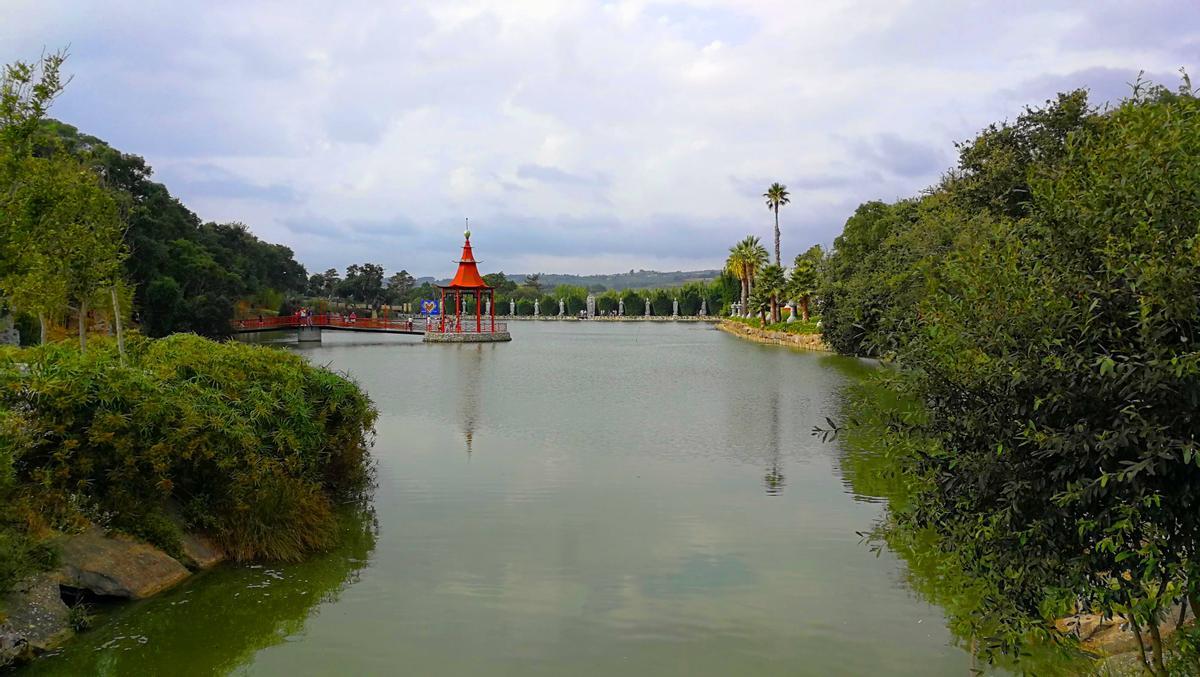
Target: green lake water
x=590 y=499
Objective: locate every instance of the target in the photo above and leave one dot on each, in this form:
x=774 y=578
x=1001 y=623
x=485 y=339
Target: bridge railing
x=293 y=321
x=466 y=324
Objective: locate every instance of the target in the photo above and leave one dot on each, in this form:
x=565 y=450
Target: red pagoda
x=467 y=281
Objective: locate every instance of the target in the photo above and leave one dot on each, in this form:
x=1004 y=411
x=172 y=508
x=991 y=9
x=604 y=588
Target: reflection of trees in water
x=218 y=622
x=870 y=472
x=774 y=478
x=754 y=421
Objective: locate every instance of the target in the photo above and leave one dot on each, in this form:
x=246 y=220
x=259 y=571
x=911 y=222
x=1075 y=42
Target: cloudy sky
x=578 y=136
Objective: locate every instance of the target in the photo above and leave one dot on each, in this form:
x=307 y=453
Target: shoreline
x=812 y=342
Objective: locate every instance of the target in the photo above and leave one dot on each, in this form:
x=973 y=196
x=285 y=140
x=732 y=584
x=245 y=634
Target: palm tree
x=746 y=258
x=805 y=278
x=772 y=283
x=776 y=195
x=736 y=266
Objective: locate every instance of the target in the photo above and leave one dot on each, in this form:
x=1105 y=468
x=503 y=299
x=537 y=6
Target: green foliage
x=1042 y=306
x=214 y=265
x=254 y=445
x=805 y=278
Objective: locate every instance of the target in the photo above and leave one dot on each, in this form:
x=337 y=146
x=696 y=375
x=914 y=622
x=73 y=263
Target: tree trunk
x=1156 y=645
x=777 y=234
x=117 y=324
x=42 y=327
x=804 y=308
x=1137 y=632
x=83 y=326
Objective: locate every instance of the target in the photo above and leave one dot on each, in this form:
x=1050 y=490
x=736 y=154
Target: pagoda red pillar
x=492 y=308
x=442 y=311
x=458 y=311
x=478 y=312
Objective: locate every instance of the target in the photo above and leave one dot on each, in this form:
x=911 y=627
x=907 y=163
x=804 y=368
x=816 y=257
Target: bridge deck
x=415 y=327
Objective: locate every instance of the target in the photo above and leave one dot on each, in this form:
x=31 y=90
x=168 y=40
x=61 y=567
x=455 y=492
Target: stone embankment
x=781 y=338
x=34 y=617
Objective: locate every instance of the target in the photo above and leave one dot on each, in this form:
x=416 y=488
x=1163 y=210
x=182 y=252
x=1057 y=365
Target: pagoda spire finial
x=467 y=232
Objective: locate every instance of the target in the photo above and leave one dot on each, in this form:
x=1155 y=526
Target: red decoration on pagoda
x=467 y=280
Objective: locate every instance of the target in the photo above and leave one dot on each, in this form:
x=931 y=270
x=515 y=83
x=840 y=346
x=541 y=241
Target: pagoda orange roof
x=468 y=276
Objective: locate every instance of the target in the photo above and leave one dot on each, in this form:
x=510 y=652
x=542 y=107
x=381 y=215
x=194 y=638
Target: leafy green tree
x=534 y=282
x=62 y=244
x=398 y=287
x=1043 y=307
x=501 y=282
x=776 y=196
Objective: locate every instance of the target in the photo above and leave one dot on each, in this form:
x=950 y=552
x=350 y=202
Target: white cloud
x=534 y=118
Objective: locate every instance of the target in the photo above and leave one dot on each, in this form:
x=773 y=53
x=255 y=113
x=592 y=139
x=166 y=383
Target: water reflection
x=238 y=610
x=469 y=380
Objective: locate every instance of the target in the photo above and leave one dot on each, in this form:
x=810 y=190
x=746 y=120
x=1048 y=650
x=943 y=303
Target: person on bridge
x=353 y=317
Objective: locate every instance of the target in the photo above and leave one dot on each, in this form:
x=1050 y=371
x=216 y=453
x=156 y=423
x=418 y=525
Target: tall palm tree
x=776 y=196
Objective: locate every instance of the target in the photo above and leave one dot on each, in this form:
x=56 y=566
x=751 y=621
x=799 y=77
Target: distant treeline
x=365 y=285
x=634 y=279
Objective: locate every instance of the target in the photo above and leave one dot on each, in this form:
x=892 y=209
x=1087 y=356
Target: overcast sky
x=579 y=137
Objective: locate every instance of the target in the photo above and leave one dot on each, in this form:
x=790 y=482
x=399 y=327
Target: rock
x=1111 y=636
x=38 y=620
x=199 y=552
x=117 y=567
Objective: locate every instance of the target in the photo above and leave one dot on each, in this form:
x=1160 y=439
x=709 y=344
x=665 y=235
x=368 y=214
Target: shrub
x=250 y=444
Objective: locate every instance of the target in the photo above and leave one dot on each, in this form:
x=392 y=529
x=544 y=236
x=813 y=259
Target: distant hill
x=640 y=279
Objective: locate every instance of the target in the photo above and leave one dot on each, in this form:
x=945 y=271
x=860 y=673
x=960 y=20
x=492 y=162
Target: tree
x=772 y=282
x=747 y=258
x=805 y=278
x=398 y=287
x=501 y=282
x=776 y=196
x=331 y=278
x=363 y=283
x=534 y=282
x=1043 y=307
x=62 y=241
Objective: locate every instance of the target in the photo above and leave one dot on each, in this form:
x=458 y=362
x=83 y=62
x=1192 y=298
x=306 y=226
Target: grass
x=797 y=327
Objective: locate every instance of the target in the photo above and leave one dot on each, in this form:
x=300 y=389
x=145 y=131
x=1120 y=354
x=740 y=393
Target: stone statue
x=647 y=307
x=621 y=307
x=791 y=306
x=703 y=307
x=487 y=307
x=512 y=307
x=562 y=310
x=537 y=309
x=591 y=305
x=674 y=307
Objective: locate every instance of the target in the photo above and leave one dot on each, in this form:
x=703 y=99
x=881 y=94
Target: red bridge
x=314 y=324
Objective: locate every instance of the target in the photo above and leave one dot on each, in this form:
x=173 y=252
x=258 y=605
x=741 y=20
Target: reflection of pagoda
x=468 y=282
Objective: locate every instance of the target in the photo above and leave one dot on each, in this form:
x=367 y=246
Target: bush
x=249 y=444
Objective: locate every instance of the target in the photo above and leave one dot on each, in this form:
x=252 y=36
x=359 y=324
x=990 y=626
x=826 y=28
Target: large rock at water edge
x=37 y=621
x=117 y=567
x=199 y=552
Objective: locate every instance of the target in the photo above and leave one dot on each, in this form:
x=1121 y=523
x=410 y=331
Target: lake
x=590 y=499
